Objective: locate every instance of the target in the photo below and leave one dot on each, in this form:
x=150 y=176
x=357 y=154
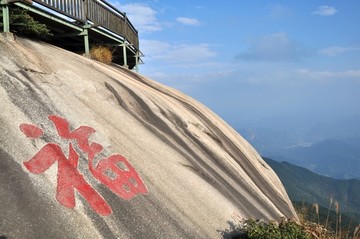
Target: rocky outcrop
x=89 y=150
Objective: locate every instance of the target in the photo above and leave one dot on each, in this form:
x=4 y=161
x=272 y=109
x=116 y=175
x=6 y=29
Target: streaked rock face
x=95 y=151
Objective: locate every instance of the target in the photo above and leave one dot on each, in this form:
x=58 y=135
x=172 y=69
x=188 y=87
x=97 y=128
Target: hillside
x=96 y=151
x=328 y=148
x=335 y=158
x=303 y=185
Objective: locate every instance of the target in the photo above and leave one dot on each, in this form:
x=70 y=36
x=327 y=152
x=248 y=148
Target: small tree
x=22 y=23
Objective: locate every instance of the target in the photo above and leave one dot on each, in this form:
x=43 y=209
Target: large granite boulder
x=89 y=150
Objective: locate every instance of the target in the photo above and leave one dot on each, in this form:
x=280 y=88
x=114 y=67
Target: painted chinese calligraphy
x=115 y=172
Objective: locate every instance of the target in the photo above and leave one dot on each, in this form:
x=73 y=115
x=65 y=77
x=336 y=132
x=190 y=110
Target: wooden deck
x=78 y=25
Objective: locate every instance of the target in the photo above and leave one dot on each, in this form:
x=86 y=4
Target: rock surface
x=197 y=171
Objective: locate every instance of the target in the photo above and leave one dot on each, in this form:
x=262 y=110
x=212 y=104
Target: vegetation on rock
x=287 y=229
x=24 y=24
x=259 y=229
x=102 y=54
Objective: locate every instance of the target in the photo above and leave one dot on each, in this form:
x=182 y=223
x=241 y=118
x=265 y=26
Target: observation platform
x=77 y=25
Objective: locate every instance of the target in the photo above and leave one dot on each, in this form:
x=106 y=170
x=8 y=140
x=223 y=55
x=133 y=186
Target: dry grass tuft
x=326 y=230
x=357 y=232
x=317 y=231
x=316 y=207
x=102 y=54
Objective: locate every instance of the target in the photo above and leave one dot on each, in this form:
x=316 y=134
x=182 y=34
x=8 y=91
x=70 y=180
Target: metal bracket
x=7 y=2
x=87 y=26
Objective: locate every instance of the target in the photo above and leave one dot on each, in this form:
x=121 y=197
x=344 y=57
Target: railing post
x=124 y=53
x=125 y=25
x=85 y=11
x=6 y=16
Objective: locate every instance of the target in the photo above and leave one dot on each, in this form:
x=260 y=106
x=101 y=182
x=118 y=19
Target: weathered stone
x=197 y=170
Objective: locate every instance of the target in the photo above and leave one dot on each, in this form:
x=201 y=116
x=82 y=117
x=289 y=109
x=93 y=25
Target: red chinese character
x=119 y=176
x=115 y=172
x=68 y=177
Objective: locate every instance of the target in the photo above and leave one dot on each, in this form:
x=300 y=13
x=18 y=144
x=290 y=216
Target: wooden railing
x=105 y=15
x=98 y=12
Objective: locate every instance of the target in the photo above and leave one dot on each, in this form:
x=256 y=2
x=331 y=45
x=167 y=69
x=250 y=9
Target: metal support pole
x=124 y=54
x=137 y=61
x=6 y=18
x=86 y=40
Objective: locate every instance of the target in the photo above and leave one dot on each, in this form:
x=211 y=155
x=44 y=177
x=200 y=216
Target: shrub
x=102 y=54
x=251 y=229
x=22 y=23
x=285 y=230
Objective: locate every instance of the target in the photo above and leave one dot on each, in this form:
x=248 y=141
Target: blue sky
x=250 y=60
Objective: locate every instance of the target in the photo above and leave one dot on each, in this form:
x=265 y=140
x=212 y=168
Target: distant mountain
x=341 y=128
x=335 y=158
x=329 y=148
x=269 y=141
x=305 y=186
x=294 y=129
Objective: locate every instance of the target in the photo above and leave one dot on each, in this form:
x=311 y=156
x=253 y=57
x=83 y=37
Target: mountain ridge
x=337 y=157
x=305 y=185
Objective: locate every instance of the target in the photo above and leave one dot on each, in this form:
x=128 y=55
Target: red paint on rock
x=68 y=177
x=125 y=183
x=123 y=179
x=31 y=131
x=115 y=172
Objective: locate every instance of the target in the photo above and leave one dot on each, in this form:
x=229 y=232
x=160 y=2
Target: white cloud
x=325 y=75
x=142 y=16
x=176 y=53
x=325 y=11
x=154 y=48
x=336 y=50
x=188 y=21
x=279 y=11
x=274 y=47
